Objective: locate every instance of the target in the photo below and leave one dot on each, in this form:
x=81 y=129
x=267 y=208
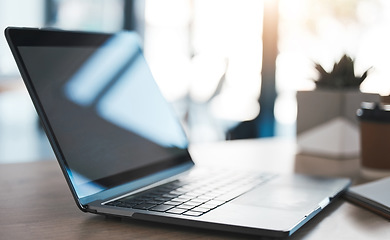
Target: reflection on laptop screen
x=106 y=110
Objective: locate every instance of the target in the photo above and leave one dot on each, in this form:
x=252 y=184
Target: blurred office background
x=230 y=68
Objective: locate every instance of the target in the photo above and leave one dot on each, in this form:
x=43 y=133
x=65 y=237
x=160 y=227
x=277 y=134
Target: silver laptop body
x=117 y=140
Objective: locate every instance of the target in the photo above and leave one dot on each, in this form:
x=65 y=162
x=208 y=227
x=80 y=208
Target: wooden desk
x=35 y=202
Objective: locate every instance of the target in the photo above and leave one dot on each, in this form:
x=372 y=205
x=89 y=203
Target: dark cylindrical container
x=375 y=136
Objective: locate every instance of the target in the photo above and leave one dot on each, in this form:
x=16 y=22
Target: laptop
x=123 y=150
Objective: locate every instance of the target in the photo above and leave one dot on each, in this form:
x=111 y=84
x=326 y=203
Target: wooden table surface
x=35 y=202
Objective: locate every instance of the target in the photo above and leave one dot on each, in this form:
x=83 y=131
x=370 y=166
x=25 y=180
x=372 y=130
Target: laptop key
x=162 y=199
x=174 y=203
x=171 y=196
x=201 y=209
x=186 y=206
x=208 y=206
x=176 y=210
x=144 y=206
x=193 y=204
x=155 y=202
x=161 y=208
x=193 y=213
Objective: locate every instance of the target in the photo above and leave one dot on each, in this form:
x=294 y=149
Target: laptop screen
x=106 y=117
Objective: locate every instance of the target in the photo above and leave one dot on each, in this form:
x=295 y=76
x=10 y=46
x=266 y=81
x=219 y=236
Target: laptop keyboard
x=193 y=195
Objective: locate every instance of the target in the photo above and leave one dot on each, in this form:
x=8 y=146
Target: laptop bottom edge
x=207 y=225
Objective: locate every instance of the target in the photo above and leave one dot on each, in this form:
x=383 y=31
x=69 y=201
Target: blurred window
x=208 y=52
x=206 y=55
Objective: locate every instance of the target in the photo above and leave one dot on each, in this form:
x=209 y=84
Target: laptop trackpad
x=283 y=197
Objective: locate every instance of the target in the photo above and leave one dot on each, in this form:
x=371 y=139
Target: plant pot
x=327 y=125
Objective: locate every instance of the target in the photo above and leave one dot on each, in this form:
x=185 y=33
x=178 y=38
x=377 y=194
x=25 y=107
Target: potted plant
x=341 y=77
x=326 y=118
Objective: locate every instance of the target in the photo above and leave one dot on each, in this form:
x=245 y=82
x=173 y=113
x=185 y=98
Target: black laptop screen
x=105 y=112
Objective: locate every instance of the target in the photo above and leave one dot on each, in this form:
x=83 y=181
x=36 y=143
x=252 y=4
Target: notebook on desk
x=123 y=150
x=374 y=196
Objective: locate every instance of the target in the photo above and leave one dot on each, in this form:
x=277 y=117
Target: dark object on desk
x=375 y=134
x=123 y=151
x=374 y=196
